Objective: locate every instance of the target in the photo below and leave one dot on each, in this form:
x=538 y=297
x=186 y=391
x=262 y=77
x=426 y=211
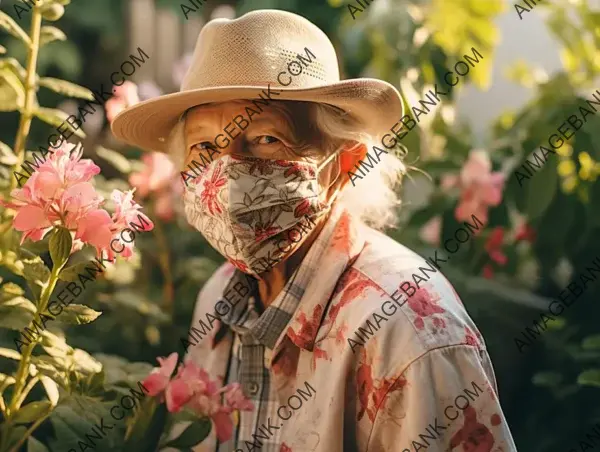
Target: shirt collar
x=268 y=326
x=336 y=248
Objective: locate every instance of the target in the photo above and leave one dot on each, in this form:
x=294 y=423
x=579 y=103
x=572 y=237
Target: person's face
x=268 y=136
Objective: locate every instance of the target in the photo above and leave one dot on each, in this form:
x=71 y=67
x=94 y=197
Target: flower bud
x=53 y=12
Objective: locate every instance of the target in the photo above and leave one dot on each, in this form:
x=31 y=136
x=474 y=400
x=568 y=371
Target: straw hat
x=237 y=59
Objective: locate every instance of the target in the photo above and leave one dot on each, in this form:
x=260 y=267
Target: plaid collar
x=266 y=328
x=338 y=244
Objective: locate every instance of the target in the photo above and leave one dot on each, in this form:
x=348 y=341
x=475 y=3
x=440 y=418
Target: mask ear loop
x=335 y=155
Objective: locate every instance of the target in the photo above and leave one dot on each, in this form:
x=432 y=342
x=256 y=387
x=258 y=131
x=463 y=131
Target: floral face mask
x=255 y=211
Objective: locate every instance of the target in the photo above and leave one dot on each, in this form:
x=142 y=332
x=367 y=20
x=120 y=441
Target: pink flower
x=493 y=246
x=127 y=220
x=60 y=193
x=157 y=381
x=488 y=271
x=178 y=394
x=125 y=96
x=157 y=174
x=57 y=194
x=525 y=232
x=223 y=426
x=234 y=398
x=480 y=188
x=192 y=388
x=96 y=229
x=158 y=178
x=431 y=231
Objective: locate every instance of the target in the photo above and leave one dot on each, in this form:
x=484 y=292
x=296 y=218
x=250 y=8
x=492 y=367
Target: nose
x=235 y=145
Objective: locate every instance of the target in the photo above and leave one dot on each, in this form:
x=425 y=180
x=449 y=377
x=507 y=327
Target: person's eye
x=203 y=146
x=267 y=139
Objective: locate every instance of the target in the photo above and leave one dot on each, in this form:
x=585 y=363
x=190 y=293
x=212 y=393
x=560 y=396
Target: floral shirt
x=372 y=360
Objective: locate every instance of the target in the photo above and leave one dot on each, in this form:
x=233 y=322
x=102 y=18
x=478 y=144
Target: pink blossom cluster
x=158 y=175
x=158 y=178
x=193 y=389
x=60 y=193
x=480 y=187
x=126 y=95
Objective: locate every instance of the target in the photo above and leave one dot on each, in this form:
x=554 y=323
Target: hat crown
x=260 y=48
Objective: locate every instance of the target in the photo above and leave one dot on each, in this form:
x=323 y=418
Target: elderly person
x=316 y=313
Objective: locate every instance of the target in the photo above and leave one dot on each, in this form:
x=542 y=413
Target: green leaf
x=120 y=372
x=76 y=416
x=54 y=345
x=66 y=88
x=35 y=270
x=68 y=427
x=11 y=354
x=549 y=379
x=33 y=445
x=116 y=159
x=12 y=92
x=5 y=382
x=591 y=342
x=17 y=303
x=147 y=423
x=14 y=436
x=56 y=118
x=49 y=33
x=60 y=247
x=32 y=412
x=9 y=291
x=78 y=314
x=14 y=65
x=193 y=435
x=72 y=272
x=541 y=188
x=7 y=156
x=85 y=363
x=11 y=26
x=51 y=389
x=590 y=377
x=52 y=11
x=51 y=367
x=16 y=314
x=11 y=261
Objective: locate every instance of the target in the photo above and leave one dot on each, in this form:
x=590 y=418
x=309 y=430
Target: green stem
x=164 y=262
x=30 y=90
x=27 y=390
x=28 y=433
x=23 y=369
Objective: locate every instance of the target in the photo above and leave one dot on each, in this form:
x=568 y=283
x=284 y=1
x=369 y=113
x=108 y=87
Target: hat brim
x=376 y=104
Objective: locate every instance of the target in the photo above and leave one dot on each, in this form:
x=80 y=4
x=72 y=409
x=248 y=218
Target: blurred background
x=535 y=72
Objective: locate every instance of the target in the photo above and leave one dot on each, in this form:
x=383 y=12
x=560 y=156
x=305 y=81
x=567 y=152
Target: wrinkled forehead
x=227 y=112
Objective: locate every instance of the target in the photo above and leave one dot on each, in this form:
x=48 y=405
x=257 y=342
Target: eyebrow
x=262 y=121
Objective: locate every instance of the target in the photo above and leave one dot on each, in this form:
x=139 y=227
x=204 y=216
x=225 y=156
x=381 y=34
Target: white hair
x=374 y=199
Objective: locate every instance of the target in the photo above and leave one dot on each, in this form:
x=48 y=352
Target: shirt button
x=253 y=388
